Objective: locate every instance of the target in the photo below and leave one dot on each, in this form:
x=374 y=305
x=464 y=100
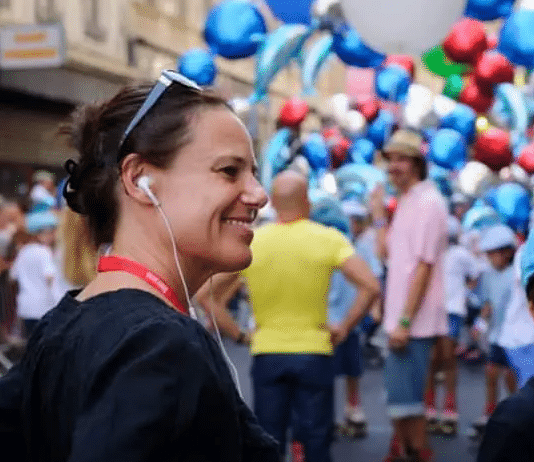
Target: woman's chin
x=237 y=262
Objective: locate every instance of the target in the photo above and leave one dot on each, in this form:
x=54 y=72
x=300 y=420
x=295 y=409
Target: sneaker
x=481 y=422
x=449 y=415
x=297 y=451
x=431 y=413
x=355 y=415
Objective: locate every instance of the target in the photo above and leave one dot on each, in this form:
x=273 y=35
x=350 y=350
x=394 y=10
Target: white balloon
x=418 y=112
x=354 y=122
x=474 y=178
x=240 y=105
x=443 y=106
x=402 y=26
x=339 y=106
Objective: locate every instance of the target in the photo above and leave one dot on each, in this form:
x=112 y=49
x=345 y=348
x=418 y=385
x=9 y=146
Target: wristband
x=405 y=322
x=241 y=338
x=380 y=223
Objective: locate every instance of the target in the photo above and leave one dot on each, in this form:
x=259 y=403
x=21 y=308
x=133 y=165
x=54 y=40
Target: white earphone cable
x=192 y=311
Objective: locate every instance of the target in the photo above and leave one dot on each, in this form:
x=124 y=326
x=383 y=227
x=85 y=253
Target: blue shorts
x=405 y=375
x=455 y=325
x=348 y=356
x=498 y=356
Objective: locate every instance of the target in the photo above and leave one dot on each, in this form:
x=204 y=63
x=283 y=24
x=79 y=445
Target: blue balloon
x=362 y=151
x=328 y=211
x=352 y=190
x=294 y=11
x=351 y=50
x=511 y=107
x=488 y=10
x=516 y=41
x=279 y=48
x=463 y=120
x=512 y=203
x=448 y=149
x=441 y=177
x=315 y=151
x=381 y=128
x=276 y=156
x=360 y=173
x=314 y=61
x=199 y=66
x=392 y=82
x=233 y=39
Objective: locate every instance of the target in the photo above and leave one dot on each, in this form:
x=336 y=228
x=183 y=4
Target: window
x=92 y=15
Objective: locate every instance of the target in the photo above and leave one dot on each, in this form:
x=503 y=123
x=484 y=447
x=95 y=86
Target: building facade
x=100 y=46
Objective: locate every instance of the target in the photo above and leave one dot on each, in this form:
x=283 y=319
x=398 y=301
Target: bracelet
x=241 y=338
x=380 y=223
x=405 y=322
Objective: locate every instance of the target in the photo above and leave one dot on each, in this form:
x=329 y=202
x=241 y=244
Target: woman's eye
x=230 y=171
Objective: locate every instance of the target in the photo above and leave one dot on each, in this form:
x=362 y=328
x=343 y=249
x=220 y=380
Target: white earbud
x=144 y=183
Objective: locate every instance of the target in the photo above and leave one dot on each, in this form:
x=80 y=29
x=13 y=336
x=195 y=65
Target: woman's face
x=211 y=195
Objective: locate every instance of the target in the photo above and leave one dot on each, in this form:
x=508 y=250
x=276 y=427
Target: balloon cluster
x=478 y=131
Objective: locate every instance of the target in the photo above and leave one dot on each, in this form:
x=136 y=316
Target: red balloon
x=338 y=152
x=526 y=159
x=405 y=61
x=293 y=112
x=331 y=133
x=492 y=148
x=368 y=108
x=493 y=68
x=391 y=205
x=476 y=97
x=466 y=41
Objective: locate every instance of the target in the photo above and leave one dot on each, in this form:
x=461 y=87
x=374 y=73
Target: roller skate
x=476 y=432
x=449 y=422
x=432 y=420
x=355 y=424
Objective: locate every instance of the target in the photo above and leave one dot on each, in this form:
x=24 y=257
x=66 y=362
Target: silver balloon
x=353 y=123
x=417 y=112
x=329 y=13
x=475 y=178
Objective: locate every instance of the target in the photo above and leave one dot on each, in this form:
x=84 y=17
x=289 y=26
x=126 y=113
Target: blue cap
x=497 y=237
x=327 y=211
x=39 y=221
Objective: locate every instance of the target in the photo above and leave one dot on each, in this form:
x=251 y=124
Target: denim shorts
x=455 y=325
x=405 y=375
x=348 y=356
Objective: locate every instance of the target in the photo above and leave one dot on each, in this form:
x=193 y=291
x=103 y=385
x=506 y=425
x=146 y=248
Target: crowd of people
x=156 y=221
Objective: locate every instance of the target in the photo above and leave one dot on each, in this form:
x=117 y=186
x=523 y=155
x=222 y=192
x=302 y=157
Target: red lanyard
x=109 y=263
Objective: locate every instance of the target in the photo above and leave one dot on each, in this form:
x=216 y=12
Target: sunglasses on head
x=166 y=78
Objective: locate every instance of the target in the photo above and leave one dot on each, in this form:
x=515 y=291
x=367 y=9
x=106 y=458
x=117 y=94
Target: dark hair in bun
x=96 y=131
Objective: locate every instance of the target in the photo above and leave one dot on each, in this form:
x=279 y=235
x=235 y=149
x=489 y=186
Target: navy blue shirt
x=509 y=434
x=123 y=377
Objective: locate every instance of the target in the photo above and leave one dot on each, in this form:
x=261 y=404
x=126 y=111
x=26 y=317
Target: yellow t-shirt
x=288 y=282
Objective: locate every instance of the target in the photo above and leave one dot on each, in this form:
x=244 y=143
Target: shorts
x=348 y=356
x=455 y=325
x=405 y=375
x=498 y=356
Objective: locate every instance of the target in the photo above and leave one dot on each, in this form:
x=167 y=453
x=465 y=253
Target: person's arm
x=416 y=292
x=214 y=296
x=358 y=272
x=379 y=217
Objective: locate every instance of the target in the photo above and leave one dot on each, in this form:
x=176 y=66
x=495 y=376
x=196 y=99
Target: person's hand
x=376 y=203
x=398 y=339
x=338 y=334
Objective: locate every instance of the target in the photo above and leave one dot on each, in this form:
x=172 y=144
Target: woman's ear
x=132 y=169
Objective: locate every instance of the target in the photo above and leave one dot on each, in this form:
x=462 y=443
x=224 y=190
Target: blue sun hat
x=497 y=237
x=40 y=220
x=354 y=208
x=328 y=211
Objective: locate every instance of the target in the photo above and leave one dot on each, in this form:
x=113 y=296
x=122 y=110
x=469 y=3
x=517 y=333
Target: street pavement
x=374 y=447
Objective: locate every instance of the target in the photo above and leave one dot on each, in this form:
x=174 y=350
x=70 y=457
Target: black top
x=124 y=377
x=509 y=435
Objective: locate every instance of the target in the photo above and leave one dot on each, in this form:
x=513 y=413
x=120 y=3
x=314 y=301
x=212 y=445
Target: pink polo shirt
x=418 y=233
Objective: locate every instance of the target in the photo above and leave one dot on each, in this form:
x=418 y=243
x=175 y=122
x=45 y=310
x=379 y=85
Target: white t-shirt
x=518 y=326
x=459 y=264
x=32 y=268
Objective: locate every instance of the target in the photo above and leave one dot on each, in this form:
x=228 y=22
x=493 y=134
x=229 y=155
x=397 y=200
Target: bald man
x=292 y=345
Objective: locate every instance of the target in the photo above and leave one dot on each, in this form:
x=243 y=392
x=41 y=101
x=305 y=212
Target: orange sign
x=31 y=46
